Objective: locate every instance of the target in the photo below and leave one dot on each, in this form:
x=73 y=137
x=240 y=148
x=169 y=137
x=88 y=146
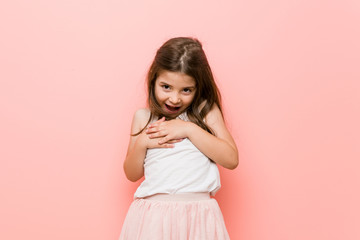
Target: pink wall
x=72 y=73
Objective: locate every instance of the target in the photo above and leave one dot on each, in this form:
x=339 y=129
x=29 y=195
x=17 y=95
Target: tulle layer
x=174 y=220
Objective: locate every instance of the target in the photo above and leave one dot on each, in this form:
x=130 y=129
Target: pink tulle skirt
x=193 y=216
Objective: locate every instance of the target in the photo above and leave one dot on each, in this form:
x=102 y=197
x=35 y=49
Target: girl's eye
x=187 y=90
x=166 y=87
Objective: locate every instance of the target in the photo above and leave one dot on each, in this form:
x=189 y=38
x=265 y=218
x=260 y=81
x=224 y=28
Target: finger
x=175 y=140
x=152 y=130
x=166 y=145
x=157 y=122
x=164 y=140
x=158 y=135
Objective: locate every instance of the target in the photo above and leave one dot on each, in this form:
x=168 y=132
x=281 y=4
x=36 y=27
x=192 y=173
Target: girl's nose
x=174 y=99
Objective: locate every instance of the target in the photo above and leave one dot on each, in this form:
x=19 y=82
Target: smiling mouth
x=172 y=109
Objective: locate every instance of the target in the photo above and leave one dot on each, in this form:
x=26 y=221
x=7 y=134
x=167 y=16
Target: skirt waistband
x=179 y=196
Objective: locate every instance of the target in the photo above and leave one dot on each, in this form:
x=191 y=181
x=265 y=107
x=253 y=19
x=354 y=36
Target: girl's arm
x=138 y=145
x=134 y=161
x=220 y=148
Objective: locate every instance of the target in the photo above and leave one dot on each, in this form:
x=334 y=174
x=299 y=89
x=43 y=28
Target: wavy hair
x=185 y=55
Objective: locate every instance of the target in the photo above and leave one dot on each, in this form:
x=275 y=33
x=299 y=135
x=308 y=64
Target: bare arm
x=134 y=161
x=220 y=148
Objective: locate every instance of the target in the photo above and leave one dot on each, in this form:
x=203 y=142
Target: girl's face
x=174 y=91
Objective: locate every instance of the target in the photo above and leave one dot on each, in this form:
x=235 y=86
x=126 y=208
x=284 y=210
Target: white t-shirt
x=182 y=169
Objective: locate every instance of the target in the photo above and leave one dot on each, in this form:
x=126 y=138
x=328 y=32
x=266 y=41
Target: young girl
x=177 y=144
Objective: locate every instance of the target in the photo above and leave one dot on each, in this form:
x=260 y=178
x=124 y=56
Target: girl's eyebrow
x=190 y=87
x=164 y=83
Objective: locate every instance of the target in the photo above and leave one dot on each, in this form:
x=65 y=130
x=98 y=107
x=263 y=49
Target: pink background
x=72 y=74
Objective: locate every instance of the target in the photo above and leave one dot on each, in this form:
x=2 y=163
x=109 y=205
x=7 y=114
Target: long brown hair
x=185 y=55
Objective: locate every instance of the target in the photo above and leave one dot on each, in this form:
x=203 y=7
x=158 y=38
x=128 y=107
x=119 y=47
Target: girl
x=177 y=143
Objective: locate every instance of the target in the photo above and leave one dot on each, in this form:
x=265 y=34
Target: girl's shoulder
x=214 y=115
x=142 y=113
x=140 y=119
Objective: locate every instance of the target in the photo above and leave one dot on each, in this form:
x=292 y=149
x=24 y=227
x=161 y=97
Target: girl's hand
x=173 y=130
x=154 y=142
x=148 y=142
